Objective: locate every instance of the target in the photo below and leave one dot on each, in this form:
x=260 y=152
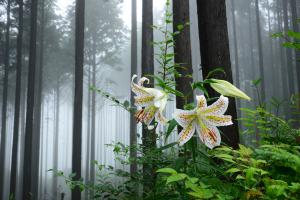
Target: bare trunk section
x=14 y=160
x=260 y=52
x=183 y=54
x=78 y=96
x=4 y=100
x=289 y=64
x=56 y=139
x=214 y=49
x=293 y=4
x=28 y=173
x=148 y=136
x=133 y=132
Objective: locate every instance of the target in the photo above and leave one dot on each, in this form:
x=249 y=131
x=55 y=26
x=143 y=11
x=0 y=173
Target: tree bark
x=260 y=52
x=148 y=136
x=214 y=49
x=235 y=43
x=133 y=139
x=93 y=113
x=289 y=64
x=56 y=139
x=78 y=96
x=183 y=54
x=88 y=132
x=14 y=160
x=4 y=100
x=28 y=150
x=293 y=4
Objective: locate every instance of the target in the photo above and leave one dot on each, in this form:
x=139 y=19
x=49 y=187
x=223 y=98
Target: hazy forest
x=149 y=99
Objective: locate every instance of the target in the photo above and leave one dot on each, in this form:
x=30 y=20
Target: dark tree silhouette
x=182 y=52
x=133 y=60
x=78 y=96
x=214 y=49
x=260 y=52
x=4 y=100
x=294 y=5
x=29 y=133
x=14 y=160
x=148 y=136
x=289 y=70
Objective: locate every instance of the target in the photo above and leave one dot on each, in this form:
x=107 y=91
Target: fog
x=254 y=55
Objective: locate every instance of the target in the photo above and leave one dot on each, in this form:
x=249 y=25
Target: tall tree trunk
x=284 y=81
x=235 y=43
x=93 y=113
x=253 y=75
x=28 y=150
x=56 y=139
x=260 y=52
x=88 y=132
x=38 y=105
x=14 y=160
x=78 y=96
x=293 y=4
x=289 y=64
x=148 y=136
x=183 y=54
x=4 y=101
x=133 y=140
x=214 y=49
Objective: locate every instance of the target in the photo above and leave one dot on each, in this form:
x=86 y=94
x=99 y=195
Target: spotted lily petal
x=217 y=108
x=184 y=117
x=201 y=101
x=138 y=89
x=187 y=133
x=218 y=120
x=209 y=135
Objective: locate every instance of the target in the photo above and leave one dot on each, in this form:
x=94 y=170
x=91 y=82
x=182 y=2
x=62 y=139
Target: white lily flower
x=205 y=120
x=152 y=100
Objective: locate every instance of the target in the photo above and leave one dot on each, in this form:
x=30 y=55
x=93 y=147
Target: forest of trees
x=65 y=73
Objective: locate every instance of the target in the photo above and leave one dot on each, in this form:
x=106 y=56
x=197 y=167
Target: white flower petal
x=187 y=133
x=143 y=101
x=217 y=108
x=138 y=90
x=142 y=80
x=209 y=135
x=201 y=101
x=184 y=117
x=218 y=120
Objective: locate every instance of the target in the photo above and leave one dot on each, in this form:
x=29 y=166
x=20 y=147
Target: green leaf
x=172 y=124
x=180 y=27
x=293 y=34
x=176 y=178
x=233 y=170
x=167 y=170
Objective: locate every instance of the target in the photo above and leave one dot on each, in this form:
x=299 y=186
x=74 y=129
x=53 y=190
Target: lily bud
x=227 y=89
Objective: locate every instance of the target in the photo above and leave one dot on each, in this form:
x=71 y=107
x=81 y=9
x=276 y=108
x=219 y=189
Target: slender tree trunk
x=77 y=118
x=38 y=105
x=214 y=49
x=253 y=75
x=293 y=4
x=56 y=139
x=235 y=43
x=148 y=136
x=93 y=113
x=282 y=58
x=28 y=151
x=4 y=101
x=260 y=52
x=133 y=140
x=88 y=132
x=289 y=64
x=183 y=54
x=14 y=160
